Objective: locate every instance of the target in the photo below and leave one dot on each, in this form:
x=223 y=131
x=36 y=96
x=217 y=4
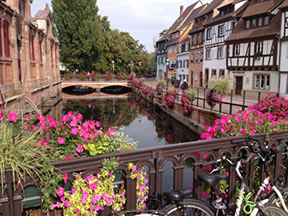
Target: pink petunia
x=68 y=157
x=65 y=178
x=61 y=141
x=74 y=131
x=60 y=192
x=80 y=148
x=12 y=116
x=32 y=128
x=73 y=123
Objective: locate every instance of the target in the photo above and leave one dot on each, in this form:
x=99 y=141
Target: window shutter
x=40 y=50
x=6 y=38
x=224 y=29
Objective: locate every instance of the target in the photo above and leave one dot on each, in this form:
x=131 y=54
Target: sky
x=143 y=19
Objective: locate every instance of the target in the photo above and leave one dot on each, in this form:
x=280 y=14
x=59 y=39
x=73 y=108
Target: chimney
x=181 y=9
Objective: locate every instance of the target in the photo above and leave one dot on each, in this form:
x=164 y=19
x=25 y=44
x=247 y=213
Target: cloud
x=143 y=19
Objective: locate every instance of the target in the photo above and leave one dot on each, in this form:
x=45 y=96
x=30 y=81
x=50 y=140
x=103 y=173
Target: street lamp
x=140 y=63
x=113 y=62
x=131 y=65
x=167 y=68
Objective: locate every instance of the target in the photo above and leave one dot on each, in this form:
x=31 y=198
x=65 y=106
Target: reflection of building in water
x=29 y=53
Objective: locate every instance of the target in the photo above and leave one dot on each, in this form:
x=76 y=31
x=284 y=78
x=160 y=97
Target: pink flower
x=79 y=116
x=138 y=176
x=104 y=195
x=142 y=187
x=74 y=131
x=68 y=157
x=73 y=123
x=61 y=140
x=97 y=124
x=32 y=128
x=12 y=116
x=43 y=123
x=256 y=122
x=242 y=130
x=79 y=148
x=62 y=199
x=67 y=204
x=97 y=197
x=65 y=118
x=85 y=195
x=77 y=211
x=65 y=178
x=60 y=192
x=2 y=114
x=26 y=118
x=73 y=190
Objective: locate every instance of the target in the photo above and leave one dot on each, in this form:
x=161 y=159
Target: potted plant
x=83 y=76
x=108 y=76
x=160 y=87
x=95 y=76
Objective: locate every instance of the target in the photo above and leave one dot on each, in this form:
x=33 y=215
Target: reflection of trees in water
x=110 y=113
x=166 y=127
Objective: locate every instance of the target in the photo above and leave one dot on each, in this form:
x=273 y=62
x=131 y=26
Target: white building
x=216 y=32
x=183 y=60
x=252 y=49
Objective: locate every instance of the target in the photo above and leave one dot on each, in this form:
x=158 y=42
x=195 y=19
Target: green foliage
x=191 y=94
x=162 y=83
x=221 y=86
x=79 y=31
x=19 y=152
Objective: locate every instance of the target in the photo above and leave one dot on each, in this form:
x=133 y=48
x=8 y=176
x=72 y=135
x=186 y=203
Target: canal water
x=138 y=119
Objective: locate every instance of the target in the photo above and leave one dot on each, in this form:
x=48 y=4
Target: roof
x=179 y=22
x=240 y=32
x=193 y=15
x=211 y=7
x=257 y=7
x=42 y=13
x=220 y=19
x=284 y=4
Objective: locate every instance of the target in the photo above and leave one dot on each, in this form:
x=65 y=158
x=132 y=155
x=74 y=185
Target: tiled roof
x=42 y=13
x=192 y=16
x=240 y=32
x=211 y=7
x=257 y=7
x=235 y=13
x=284 y=4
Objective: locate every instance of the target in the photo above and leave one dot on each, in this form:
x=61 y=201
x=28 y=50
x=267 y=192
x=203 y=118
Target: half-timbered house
x=252 y=54
x=197 y=43
x=216 y=32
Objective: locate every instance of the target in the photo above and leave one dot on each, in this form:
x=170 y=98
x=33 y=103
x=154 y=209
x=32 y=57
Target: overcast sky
x=143 y=19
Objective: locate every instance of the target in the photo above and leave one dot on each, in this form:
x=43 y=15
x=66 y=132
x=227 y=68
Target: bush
x=161 y=83
x=108 y=76
x=121 y=76
x=83 y=77
x=220 y=86
x=68 y=75
x=95 y=76
x=191 y=95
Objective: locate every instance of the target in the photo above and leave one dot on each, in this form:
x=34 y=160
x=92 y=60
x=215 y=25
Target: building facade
x=216 y=32
x=253 y=49
x=29 y=54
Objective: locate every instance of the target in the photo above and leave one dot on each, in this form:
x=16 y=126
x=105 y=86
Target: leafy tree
x=79 y=30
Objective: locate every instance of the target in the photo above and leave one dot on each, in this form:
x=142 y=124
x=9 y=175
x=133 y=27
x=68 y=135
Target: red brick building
x=29 y=54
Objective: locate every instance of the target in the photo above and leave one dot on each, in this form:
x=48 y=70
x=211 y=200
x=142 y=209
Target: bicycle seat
x=212 y=179
x=172 y=196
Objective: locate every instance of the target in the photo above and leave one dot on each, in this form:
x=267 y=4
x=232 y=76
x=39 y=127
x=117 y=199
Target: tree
x=80 y=32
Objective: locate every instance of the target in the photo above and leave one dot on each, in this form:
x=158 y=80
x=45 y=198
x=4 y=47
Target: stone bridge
x=98 y=85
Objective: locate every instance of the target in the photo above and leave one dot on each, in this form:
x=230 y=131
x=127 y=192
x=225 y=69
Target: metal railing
x=154 y=159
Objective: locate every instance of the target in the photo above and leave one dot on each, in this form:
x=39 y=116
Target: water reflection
x=138 y=118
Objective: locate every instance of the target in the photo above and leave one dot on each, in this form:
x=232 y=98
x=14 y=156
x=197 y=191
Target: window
x=220 y=52
x=260 y=21
x=266 y=20
x=209 y=54
x=209 y=33
x=198 y=38
x=187 y=63
x=247 y=24
x=254 y=23
x=259 y=47
x=222 y=73
x=237 y=50
x=214 y=73
x=183 y=48
x=6 y=38
x=32 y=50
x=221 y=31
x=180 y=64
x=40 y=50
x=262 y=81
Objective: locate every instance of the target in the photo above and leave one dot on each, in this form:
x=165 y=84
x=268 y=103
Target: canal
x=138 y=119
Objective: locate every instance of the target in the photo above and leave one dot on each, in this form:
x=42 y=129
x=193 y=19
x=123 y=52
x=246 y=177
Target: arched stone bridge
x=98 y=85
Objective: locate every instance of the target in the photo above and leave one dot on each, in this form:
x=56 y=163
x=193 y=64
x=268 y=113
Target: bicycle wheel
x=271 y=210
x=192 y=207
x=274 y=199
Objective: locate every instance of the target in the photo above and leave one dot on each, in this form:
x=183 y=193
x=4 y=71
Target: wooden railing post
x=196 y=183
x=178 y=177
x=131 y=193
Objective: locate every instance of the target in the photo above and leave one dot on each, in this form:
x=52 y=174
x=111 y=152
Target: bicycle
x=178 y=204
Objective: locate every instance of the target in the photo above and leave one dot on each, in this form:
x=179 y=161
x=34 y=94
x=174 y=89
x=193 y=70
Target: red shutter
x=6 y=38
x=40 y=49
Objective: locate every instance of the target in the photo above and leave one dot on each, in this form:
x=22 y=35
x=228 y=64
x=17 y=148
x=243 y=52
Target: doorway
x=201 y=79
x=192 y=78
x=160 y=74
x=239 y=85
x=206 y=77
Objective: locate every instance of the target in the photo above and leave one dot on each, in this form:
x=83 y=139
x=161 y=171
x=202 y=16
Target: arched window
x=40 y=50
x=52 y=54
x=32 y=46
x=6 y=38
